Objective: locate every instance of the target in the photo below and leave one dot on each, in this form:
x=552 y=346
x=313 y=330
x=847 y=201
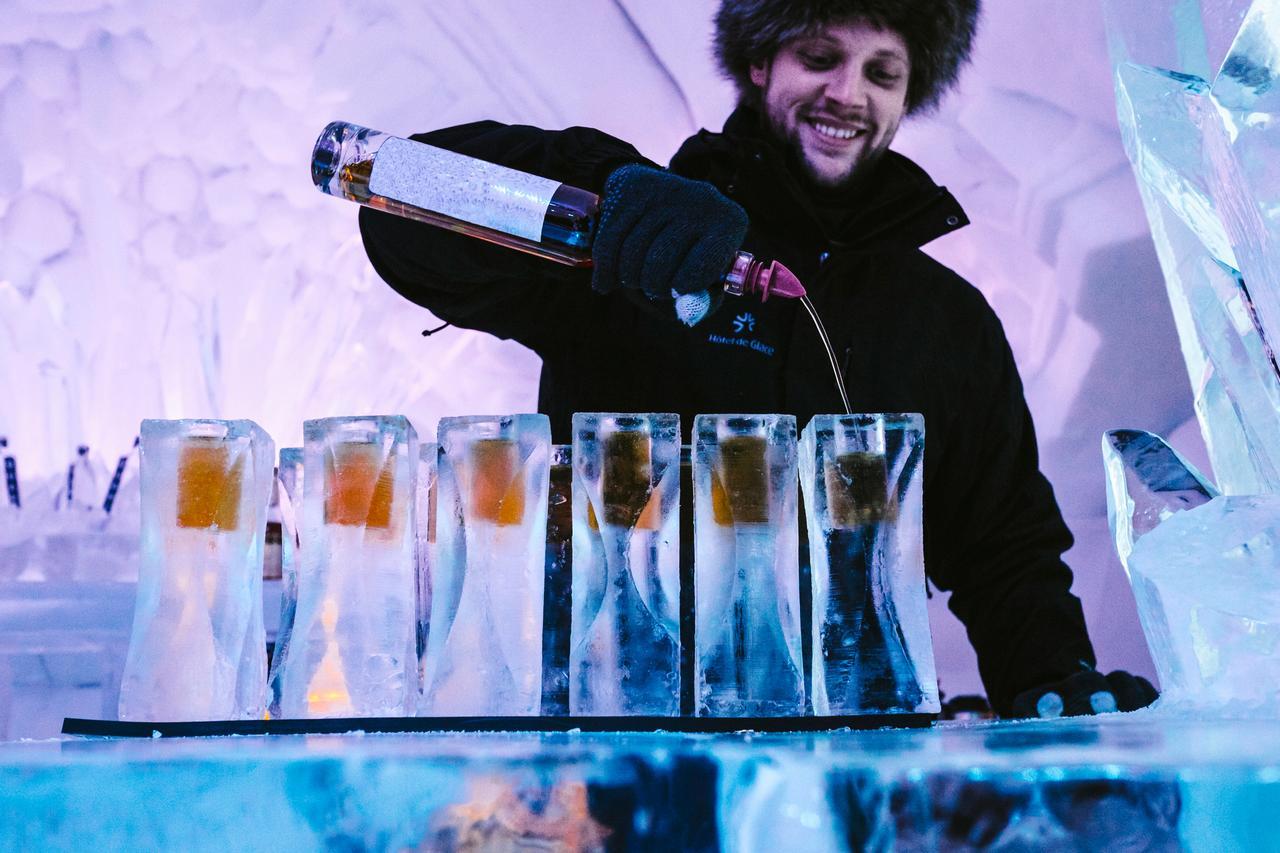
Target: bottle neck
x=743 y=276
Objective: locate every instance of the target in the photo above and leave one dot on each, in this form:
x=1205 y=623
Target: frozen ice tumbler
x=484 y=649
x=352 y=651
x=746 y=567
x=198 y=648
x=862 y=476
x=625 y=638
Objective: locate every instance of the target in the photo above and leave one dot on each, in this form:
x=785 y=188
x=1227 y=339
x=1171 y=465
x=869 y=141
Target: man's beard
x=862 y=168
x=793 y=152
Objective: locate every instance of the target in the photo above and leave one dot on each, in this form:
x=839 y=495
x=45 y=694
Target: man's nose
x=847 y=86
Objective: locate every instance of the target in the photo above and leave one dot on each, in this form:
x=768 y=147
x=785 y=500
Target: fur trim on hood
x=938 y=34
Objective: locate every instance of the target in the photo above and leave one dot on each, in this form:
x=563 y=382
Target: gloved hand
x=1087 y=692
x=663 y=234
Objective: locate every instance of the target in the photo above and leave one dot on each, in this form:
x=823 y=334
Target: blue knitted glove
x=1087 y=692
x=664 y=234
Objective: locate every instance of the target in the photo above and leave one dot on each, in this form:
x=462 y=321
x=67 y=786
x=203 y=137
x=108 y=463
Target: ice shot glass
x=625 y=633
x=352 y=649
x=198 y=647
x=746 y=567
x=862 y=478
x=484 y=649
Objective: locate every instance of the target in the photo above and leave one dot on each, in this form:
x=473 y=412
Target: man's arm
x=478 y=285
x=1001 y=536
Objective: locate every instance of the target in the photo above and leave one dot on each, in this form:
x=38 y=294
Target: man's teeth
x=834 y=133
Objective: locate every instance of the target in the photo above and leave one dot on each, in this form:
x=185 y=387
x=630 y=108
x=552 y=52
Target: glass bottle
x=480 y=199
x=10 y=474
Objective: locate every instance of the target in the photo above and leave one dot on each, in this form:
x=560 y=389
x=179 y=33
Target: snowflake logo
x=744 y=321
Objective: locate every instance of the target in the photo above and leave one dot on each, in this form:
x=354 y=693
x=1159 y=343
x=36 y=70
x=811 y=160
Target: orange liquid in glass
x=209 y=485
x=740 y=483
x=497 y=481
x=359 y=485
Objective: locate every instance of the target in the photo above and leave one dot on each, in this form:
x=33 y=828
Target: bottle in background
x=80 y=491
x=10 y=474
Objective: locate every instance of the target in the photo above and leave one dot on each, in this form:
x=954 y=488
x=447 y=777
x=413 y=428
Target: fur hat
x=938 y=34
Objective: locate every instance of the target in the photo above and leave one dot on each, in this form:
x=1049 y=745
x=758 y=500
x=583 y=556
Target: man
x=802 y=173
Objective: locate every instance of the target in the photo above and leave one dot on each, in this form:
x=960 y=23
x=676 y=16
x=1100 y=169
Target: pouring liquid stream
x=831 y=355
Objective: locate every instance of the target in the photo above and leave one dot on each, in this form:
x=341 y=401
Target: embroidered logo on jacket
x=744 y=322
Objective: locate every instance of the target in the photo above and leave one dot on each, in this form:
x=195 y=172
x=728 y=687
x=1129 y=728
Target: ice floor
x=1133 y=782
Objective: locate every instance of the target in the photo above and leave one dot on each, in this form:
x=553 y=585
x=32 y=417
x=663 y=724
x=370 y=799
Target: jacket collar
x=898 y=206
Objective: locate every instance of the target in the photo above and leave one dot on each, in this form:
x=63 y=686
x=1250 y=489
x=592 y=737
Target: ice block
x=746 y=567
x=484 y=651
x=198 y=648
x=289 y=482
x=353 y=646
x=625 y=637
x=862 y=478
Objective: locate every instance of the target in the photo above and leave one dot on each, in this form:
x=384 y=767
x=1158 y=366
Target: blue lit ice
x=1131 y=782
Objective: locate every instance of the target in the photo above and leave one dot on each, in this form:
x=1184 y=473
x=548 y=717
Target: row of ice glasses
x=417 y=590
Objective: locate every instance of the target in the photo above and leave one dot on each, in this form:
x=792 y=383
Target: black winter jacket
x=912 y=335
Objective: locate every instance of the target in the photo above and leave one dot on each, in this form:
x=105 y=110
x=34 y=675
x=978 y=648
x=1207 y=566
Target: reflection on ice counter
x=1140 y=781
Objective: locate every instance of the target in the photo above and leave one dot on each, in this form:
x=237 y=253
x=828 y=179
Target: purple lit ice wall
x=163 y=253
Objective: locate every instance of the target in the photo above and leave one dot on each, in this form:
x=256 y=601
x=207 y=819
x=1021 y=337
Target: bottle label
x=465 y=188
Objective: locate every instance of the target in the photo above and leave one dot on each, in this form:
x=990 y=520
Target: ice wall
x=163 y=254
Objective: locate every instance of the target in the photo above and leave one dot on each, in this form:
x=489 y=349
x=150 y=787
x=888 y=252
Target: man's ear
x=760 y=73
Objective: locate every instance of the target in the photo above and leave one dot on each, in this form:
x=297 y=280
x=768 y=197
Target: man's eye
x=816 y=61
x=885 y=77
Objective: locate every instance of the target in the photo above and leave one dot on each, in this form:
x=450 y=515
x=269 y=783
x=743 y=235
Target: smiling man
x=803 y=173
x=836 y=95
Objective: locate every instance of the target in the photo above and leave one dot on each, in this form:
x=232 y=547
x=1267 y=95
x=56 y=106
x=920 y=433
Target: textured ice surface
x=1203 y=145
x=1147 y=482
x=1129 y=782
x=290 y=476
x=746 y=567
x=1207 y=584
x=352 y=651
x=484 y=651
x=557 y=608
x=862 y=478
x=624 y=654
x=424 y=541
x=198 y=649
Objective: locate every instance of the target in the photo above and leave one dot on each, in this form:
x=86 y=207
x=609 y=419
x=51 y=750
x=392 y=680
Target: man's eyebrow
x=890 y=53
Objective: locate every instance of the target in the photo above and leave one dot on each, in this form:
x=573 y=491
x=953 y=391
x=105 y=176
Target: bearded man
x=802 y=173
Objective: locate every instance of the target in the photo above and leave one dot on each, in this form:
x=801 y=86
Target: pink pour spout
x=777 y=280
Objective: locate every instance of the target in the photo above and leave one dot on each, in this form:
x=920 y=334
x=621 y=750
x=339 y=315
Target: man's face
x=836 y=97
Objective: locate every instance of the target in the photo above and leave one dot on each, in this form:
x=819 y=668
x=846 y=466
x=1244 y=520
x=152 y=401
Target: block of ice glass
x=425 y=537
x=556 y=607
x=289 y=480
x=484 y=651
x=198 y=648
x=1207 y=585
x=624 y=654
x=746 y=567
x=862 y=479
x=352 y=649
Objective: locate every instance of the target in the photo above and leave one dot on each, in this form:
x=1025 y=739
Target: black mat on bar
x=338 y=725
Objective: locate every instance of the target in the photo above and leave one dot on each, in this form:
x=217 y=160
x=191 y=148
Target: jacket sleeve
x=478 y=285
x=1003 y=536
